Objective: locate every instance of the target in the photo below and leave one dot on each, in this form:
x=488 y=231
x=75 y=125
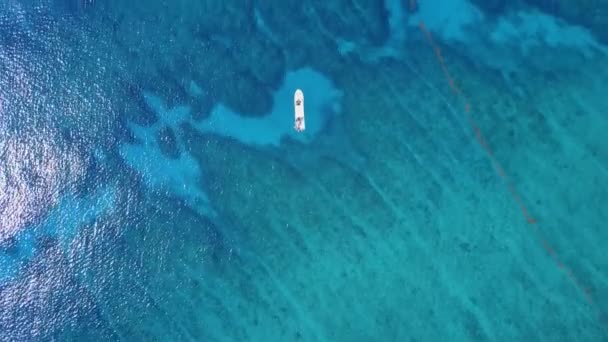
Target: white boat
x=298 y=103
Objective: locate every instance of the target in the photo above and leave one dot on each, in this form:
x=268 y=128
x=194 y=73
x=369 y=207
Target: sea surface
x=451 y=183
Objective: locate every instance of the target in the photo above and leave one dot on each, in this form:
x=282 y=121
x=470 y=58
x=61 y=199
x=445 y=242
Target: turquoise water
x=451 y=183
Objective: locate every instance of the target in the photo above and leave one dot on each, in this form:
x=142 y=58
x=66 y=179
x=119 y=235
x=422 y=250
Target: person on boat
x=298 y=126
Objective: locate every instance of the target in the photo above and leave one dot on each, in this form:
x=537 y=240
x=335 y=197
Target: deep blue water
x=450 y=185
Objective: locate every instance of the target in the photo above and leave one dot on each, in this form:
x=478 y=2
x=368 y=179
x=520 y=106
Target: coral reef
x=167 y=142
x=233 y=50
x=492 y=7
x=592 y=14
x=229 y=226
x=422 y=182
x=422 y=165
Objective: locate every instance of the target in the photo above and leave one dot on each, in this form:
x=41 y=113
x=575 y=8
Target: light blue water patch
x=72 y=212
x=321 y=100
x=500 y=43
x=534 y=29
x=34 y=170
x=181 y=176
x=62 y=223
x=397 y=21
x=512 y=43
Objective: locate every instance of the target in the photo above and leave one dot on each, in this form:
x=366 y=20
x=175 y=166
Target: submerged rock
x=202 y=105
x=492 y=7
x=167 y=143
x=245 y=95
x=592 y=14
x=364 y=22
x=263 y=58
x=135 y=109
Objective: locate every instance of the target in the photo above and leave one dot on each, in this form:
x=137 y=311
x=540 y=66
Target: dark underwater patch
x=167 y=142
